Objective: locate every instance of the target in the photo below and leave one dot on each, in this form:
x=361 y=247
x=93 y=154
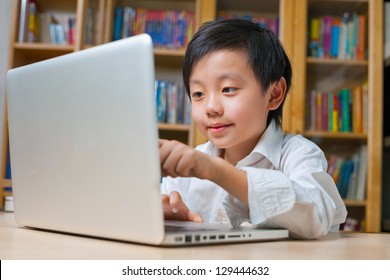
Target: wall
x=5 y=19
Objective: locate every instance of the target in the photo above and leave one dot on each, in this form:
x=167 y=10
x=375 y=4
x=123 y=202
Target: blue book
x=8 y=167
x=118 y=22
x=334 y=47
x=161 y=101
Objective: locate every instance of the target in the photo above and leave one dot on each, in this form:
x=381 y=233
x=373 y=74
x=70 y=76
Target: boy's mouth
x=218 y=127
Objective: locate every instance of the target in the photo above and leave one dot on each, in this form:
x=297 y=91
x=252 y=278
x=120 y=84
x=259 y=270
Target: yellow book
x=357 y=109
x=335 y=115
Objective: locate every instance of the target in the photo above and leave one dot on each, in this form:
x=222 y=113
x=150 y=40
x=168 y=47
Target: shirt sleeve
x=300 y=195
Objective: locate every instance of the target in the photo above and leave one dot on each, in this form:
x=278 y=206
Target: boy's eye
x=229 y=89
x=197 y=94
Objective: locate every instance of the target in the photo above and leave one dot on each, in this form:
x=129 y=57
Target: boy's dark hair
x=265 y=52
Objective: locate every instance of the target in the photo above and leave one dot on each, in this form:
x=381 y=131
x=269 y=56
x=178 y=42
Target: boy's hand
x=175 y=209
x=180 y=160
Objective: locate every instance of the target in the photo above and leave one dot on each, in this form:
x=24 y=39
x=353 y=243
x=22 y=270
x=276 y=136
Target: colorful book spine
x=328 y=20
x=319 y=111
x=335 y=38
x=346 y=126
x=118 y=22
x=330 y=111
x=365 y=107
x=315 y=24
x=335 y=114
x=361 y=40
x=33 y=30
x=23 y=21
x=324 y=113
x=358 y=110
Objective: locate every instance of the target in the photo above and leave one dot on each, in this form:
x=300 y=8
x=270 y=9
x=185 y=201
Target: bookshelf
x=327 y=73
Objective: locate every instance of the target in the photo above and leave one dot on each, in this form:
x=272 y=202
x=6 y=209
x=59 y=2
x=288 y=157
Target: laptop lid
x=83 y=143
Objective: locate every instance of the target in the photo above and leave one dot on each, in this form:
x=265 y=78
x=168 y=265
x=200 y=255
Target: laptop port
x=178 y=239
x=188 y=238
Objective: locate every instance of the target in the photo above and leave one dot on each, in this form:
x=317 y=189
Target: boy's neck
x=234 y=155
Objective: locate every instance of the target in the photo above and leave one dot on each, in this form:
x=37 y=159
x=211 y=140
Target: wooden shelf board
x=336 y=61
x=338 y=135
x=355 y=203
x=44 y=47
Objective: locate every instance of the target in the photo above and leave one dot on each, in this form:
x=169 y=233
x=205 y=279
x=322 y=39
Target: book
x=343 y=36
x=357 y=109
x=362 y=37
x=312 y=112
x=315 y=24
x=325 y=112
x=328 y=20
x=172 y=106
x=161 y=104
x=352 y=184
x=335 y=38
x=335 y=117
x=23 y=21
x=8 y=166
x=362 y=176
x=318 y=108
x=330 y=111
x=118 y=22
x=365 y=107
x=346 y=127
x=33 y=30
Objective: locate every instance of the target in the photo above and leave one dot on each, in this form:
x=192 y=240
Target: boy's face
x=228 y=103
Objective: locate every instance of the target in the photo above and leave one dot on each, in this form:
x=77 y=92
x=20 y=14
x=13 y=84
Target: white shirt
x=288 y=187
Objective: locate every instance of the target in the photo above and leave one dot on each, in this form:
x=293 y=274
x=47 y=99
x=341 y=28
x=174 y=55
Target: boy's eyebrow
x=222 y=77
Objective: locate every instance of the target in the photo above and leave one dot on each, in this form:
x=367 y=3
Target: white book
x=362 y=176
x=23 y=23
x=353 y=180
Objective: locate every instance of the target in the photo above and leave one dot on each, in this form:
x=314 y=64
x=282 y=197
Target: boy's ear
x=278 y=91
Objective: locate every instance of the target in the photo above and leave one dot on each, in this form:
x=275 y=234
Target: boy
x=237 y=76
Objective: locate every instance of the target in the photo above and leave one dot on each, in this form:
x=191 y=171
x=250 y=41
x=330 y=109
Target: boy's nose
x=214 y=106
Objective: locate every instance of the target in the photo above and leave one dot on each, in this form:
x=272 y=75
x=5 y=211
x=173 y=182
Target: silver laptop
x=84 y=149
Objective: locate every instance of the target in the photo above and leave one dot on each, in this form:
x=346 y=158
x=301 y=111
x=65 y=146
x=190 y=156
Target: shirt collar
x=269 y=145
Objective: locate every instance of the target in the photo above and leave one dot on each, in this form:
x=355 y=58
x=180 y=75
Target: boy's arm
x=232 y=179
x=180 y=160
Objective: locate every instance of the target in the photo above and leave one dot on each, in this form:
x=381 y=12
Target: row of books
x=170 y=29
x=350 y=174
x=338 y=37
x=172 y=103
x=344 y=111
x=58 y=29
x=269 y=22
x=36 y=26
x=55 y=28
